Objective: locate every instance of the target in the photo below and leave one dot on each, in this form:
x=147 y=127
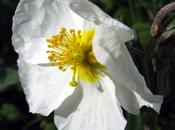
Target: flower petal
x=92 y=13
x=45 y=87
x=98 y=109
x=34 y=22
x=111 y=52
x=124 y=33
x=127 y=99
x=88 y=11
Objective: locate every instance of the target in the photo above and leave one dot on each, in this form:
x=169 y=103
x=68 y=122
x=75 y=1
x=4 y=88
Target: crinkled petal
x=92 y=13
x=127 y=99
x=35 y=21
x=98 y=109
x=45 y=87
x=111 y=52
x=124 y=32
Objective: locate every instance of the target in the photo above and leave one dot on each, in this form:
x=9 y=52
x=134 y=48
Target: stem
x=160 y=16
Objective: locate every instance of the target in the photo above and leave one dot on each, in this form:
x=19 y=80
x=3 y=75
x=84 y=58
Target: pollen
x=72 y=49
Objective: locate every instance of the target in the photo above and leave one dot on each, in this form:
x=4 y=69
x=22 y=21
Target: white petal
x=111 y=52
x=92 y=13
x=124 y=33
x=88 y=11
x=34 y=22
x=45 y=87
x=69 y=106
x=127 y=99
x=98 y=110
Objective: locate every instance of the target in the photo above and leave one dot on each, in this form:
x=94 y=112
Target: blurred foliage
x=10 y=112
x=146 y=53
x=9 y=78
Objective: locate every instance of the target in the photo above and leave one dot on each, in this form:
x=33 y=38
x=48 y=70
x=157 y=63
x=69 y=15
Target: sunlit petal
x=93 y=14
x=34 y=22
x=98 y=110
x=111 y=52
x=45 y=87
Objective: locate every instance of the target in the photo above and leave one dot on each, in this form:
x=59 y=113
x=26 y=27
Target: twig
x=160 y=16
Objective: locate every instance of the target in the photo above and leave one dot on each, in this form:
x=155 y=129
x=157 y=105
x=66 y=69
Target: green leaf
x=10 y=77
x=139 y=124
x=135 y=122
x=123 y=15
x=150 y=48
x=143 y=30
x=130 y=122
x=50 y=126
x=108 y=4
x=171 y=24
x=168 y=23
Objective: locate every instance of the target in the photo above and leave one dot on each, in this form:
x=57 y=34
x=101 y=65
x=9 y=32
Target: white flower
x=92 y=57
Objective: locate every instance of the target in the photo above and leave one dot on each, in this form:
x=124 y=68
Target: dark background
x=154 y=57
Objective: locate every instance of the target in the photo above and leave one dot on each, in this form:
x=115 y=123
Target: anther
x=72 y=31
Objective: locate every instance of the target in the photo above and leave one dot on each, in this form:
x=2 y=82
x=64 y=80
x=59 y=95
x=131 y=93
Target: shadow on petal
x=44 y=64
x=132 y=85
x=127 y=99
x=70 y=104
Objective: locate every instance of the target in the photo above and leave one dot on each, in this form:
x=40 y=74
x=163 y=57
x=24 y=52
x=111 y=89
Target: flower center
x=73 y=49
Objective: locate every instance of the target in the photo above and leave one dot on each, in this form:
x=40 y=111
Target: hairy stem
x=160 y=16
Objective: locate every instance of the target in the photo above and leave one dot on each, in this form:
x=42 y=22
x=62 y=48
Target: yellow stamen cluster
x=73 y=49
